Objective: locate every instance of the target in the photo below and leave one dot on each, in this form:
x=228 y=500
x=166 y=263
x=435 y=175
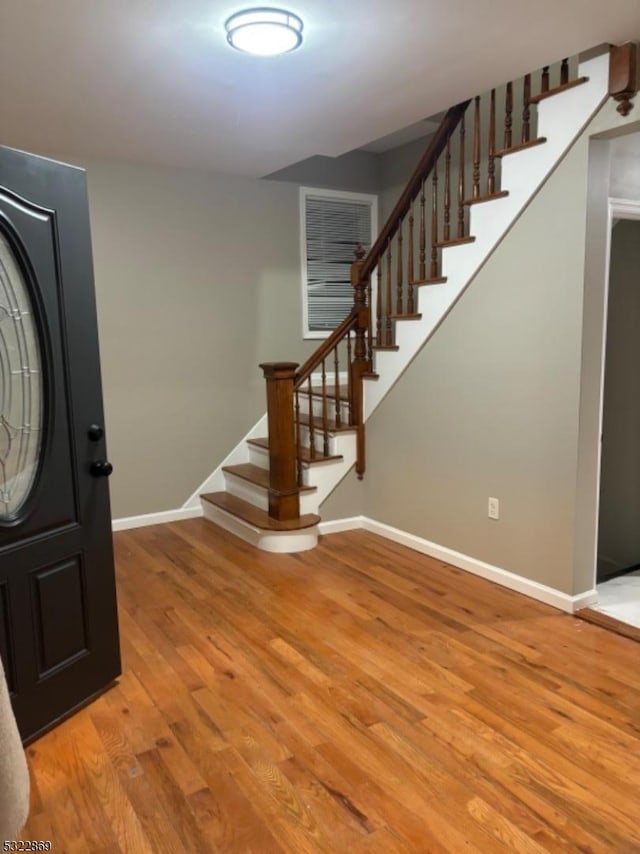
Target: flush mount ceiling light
x=264 y=32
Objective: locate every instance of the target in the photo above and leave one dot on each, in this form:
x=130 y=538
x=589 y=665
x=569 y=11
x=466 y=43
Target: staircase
x=482 y=167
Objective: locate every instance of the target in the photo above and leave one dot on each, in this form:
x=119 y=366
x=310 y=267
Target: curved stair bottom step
x=268 y=540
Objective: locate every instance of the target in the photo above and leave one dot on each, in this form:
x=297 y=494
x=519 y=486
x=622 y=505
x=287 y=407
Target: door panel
x=59 y=613
x=58 y=618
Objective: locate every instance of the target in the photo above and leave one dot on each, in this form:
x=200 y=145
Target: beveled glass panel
x=21 y=403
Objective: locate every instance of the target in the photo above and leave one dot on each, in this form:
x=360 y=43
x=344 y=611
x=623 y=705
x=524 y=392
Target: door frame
x=618 y=209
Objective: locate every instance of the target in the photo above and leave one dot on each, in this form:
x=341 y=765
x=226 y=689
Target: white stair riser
x=318 y=409
x=250 y=492
x=281 y=542
x=258 y=456
x=318 y=439
x=259 y=497
x=338 y=442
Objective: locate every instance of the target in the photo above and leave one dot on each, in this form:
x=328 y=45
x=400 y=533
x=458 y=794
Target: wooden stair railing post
x=284 y=497
x=624 y=75
x=360 y=363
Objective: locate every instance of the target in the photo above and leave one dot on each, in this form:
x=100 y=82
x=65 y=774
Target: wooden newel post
x=360 y=364
x=284 y=496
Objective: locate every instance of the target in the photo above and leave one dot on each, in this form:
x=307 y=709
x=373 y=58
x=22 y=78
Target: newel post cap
x=279 y=370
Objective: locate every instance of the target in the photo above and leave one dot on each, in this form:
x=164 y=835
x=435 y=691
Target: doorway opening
x=618 y=536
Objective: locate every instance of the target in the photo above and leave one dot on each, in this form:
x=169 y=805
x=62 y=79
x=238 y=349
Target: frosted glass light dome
x=264 y=32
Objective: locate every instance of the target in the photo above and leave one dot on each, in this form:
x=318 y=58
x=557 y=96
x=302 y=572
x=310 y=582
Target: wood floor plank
x=356 y=698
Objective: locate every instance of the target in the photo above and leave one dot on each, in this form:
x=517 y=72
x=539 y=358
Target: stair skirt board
x=561 y=120
x=503 y=577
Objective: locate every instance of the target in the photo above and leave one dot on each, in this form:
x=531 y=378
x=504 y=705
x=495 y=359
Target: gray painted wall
x=625 y=167
x=495 y=399
x=356 y=171
x=619 y=529
x=197 y=281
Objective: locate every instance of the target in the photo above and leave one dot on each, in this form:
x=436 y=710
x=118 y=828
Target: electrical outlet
x=494 y=508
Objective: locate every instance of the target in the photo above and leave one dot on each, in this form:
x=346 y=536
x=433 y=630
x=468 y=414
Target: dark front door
x=58 y=620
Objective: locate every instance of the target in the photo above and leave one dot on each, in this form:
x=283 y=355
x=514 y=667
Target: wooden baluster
x=298 y=444
x=325 y=412
x=284 y=499
x=526 y=108
x=379 y=307
x=508 y=111
x=370 y=329
x=312 y=426
x=349 y=377
x=400 y=277
x=564 y=72
x=410 y=273
x=491 y=179
x=447 y=190
x=461 y=168
x=336 y=387
x=358 y=367
x=389 y=330
x=476 y=149
x=422 y=269
x=433 y=271
x=544 y=85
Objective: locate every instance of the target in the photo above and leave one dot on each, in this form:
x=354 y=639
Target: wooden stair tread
x=535 y=99
x=439 y=280
x=454 y=241
x=521 y=146
x=253 y=515
x=256 y=475
x=389 y=347
x=488 y=197
x=318 y=423
x=405 y=316
x=305 y=455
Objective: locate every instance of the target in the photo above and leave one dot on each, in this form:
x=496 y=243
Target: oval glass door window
x=21 y=404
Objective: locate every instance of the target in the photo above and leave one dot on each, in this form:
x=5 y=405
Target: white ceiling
x=154 y=80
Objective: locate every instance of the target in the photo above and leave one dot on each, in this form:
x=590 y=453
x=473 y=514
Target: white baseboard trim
x=585 y=600
x=156 y=518
x=533 y=589
x=336 y=526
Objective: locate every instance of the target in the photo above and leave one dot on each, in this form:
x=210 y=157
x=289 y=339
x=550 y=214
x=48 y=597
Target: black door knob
x=101 y=468
x=95 y=432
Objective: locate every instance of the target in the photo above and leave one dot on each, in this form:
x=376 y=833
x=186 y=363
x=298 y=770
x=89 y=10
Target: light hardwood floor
x=356 y=698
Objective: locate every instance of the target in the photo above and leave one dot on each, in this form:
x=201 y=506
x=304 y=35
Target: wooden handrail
x=423 y=169
x=326 y=347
